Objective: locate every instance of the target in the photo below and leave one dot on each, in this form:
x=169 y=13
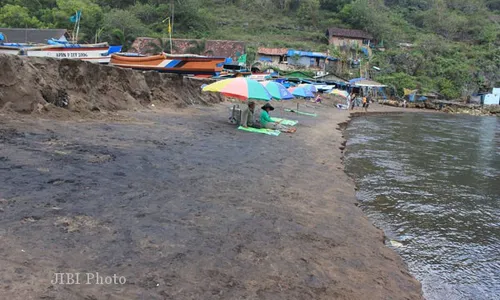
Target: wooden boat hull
x=195 y=65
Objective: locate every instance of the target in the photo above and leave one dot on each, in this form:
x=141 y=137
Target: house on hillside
x=310 y=60
x=341 y=37
x=349 y=38
x=223 y=48
x=273 y=56
x=33 y=35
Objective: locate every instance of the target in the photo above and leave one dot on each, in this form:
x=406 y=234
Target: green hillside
x=455 y=44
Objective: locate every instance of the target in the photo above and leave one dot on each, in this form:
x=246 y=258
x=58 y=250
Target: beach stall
x=367 y=86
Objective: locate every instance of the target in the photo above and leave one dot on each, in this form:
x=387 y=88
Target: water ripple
x=431 y=182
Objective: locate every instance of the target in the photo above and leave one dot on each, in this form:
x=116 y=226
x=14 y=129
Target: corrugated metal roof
x=292 y=52
x=31 y=35
x=272 y=51
x=352 y=33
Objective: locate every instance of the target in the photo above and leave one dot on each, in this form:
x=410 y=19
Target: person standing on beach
x=353 y=100
x=367 y=102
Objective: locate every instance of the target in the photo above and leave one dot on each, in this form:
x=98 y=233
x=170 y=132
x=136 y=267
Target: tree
x=120 y=25
x=17 y=16
x=333 y=5
x=159 y=46
x=91 y=19
x=308 y=11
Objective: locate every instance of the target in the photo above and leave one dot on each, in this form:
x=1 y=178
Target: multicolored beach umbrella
x=340 y=93
x=311 y=87
x=277 y=90
x=241 y=88
x=301 y=92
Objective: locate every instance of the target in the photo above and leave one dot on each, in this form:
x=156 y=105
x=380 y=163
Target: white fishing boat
x=96 y=53
x=9 y=49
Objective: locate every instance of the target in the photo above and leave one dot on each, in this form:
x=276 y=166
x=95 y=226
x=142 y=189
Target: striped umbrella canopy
x=241 y=88
x=309 y=86
x=301 y=92
x=277 y=90
x=339 y=93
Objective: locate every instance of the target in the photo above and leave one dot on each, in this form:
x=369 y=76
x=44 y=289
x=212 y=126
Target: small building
x=493 y=98
x=348 y=37
x=314 y=60
x=272 y=55
x=33 y=35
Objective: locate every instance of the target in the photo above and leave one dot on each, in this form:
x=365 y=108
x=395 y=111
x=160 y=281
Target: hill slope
x=455 y=43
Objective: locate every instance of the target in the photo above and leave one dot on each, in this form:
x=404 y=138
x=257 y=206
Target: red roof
x=272 y=51
x=351 y=33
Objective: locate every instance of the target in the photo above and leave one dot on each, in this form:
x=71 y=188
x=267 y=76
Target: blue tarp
x=266 y=59
x=228 y=61
x=14 y=45
x=57 y=42
x=1 y=37
x=292 y=52
x=114 y=49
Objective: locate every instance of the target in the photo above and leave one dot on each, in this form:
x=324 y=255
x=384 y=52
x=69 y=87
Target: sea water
x=432 y=183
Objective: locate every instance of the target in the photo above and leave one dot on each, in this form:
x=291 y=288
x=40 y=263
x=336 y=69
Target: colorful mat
x=301 y=112
x=260 y=130
x=286 y=122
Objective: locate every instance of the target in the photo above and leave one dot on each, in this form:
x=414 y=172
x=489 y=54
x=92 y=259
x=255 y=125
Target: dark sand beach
x=184 y=206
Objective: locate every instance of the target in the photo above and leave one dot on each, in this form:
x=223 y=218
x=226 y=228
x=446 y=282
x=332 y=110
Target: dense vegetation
x=455 y=46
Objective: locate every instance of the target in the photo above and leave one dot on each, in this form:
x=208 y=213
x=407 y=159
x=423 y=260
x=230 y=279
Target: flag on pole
x=409 y=92
x=169 y=27
x=242 y=58
x=76 y=17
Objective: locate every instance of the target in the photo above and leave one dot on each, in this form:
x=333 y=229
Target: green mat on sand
x=301 y=112
x=286 y=122
x=261 y=130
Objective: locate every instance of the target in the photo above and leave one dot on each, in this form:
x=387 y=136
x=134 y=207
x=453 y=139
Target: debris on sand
x=79 y=224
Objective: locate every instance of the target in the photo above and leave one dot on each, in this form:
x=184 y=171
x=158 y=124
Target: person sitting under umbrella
x=247 y=115
x=267 y=122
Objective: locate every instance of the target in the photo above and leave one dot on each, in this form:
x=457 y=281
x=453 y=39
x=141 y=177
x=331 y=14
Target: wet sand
x=184 y=206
